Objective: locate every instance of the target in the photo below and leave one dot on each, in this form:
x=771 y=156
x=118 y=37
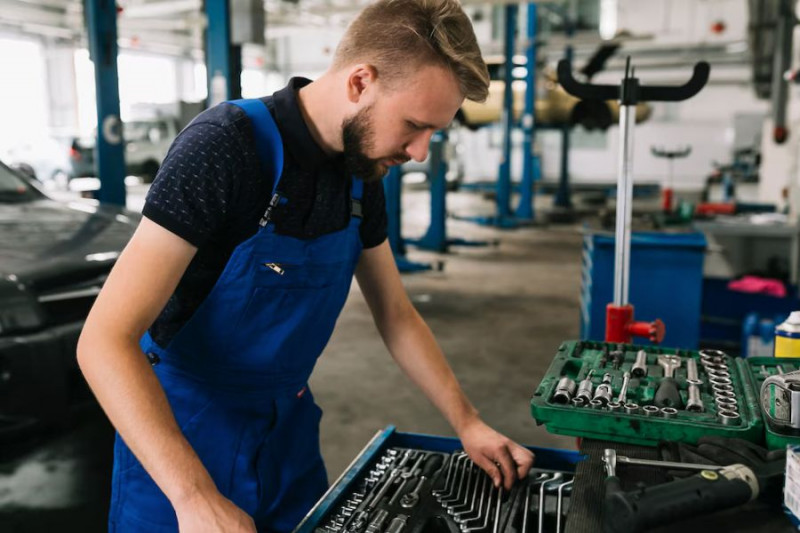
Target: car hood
x=49 y=240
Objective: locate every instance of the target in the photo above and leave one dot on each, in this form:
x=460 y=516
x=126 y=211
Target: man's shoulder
x=225 y=119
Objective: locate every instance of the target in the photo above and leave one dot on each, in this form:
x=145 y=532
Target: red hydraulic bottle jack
x=621 y=326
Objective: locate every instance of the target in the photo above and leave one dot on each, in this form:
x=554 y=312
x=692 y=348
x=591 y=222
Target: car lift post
x=392 y=187
x=435 y=237
x=223 y=60
x=504 y=218
x=101 y=19
x=531 y=169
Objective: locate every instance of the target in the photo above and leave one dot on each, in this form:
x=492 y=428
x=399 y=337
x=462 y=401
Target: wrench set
x=653 y=384
x=642 y=394
x=416 y=491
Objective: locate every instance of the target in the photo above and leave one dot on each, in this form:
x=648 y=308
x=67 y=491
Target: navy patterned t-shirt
x=211 y=191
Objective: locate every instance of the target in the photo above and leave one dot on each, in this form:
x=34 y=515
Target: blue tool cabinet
x=666 y=282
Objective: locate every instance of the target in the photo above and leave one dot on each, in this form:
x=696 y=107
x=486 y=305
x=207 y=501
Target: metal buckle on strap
x=273 y=203
x=356 y=208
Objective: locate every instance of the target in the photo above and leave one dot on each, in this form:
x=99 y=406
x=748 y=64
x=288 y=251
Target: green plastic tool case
x=575 y=359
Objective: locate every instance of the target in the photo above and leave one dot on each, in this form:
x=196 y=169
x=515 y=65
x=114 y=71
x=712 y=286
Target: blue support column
x=220 y=70
x=392 y=188
x=531 y=170
x=101 y=18
x=504 y=218
x=435 y=238
x=504 y=178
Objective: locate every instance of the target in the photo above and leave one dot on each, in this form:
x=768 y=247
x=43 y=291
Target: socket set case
x=761 y=368
x=646 y=407
x=409 y=483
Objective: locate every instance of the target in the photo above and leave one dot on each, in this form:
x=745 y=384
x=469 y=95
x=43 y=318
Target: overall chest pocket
x=287 y=274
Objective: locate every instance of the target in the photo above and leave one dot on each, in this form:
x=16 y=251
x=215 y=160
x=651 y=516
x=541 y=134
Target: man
x=233 y=282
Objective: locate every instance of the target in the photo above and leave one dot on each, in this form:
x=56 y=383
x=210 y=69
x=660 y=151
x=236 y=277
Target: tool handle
x=432 y=465
x=706 y=492
x=667 y=394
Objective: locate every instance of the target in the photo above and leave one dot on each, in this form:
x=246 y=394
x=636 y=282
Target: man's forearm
x=134 y=400
x=416 y=351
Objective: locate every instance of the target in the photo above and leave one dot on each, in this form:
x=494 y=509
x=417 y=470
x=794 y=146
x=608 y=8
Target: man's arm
x=144 y=277
x=413 y=346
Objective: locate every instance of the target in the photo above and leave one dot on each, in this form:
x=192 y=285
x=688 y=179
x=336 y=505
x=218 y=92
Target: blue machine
x=666 y=280
x=101 y=18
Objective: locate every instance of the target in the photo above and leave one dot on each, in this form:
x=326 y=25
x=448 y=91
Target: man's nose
x=417 y=149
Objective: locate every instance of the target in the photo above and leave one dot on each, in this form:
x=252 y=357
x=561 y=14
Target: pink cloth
x=772 y=287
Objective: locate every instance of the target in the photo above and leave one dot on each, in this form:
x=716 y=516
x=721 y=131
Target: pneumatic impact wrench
x=705 y=492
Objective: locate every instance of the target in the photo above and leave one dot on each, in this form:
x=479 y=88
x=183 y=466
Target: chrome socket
x=721 y=388
x=668 y=412
x=596 y=404
x=695 y=404
x=720 y=381
x=578 y=402
x=639 y=368
x=631 y=408
x=651 y=410
x=614 y=406
x=564 y=390
x=729 y=418
x=603 y=391
x=585 y=388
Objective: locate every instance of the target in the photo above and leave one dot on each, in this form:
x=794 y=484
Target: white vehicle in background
x=146 y=145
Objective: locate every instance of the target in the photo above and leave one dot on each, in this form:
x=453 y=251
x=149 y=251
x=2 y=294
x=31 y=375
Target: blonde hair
x=398 y=36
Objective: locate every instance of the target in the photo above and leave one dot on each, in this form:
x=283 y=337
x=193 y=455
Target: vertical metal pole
x=101 y=17
x=504 y=178
x=218 y=53
x=436 y=236
x=563 y=198
x=526 y=209
x=622 y=246
x=392 y=186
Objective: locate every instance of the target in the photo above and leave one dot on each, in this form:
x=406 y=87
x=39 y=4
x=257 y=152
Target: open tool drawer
x=456 y=497
x=637 y=419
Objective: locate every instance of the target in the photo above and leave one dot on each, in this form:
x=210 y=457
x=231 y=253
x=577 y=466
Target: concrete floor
x=499 y=314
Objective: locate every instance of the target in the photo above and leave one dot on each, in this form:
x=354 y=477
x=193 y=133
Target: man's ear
x=361 y=82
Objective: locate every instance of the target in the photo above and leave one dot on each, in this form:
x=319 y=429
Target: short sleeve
x=193 y=190
x=373 y=226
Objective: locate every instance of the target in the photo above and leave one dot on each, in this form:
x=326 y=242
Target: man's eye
x=413 y=126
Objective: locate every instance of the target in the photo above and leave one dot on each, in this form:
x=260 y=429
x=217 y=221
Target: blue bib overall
x=236 y=374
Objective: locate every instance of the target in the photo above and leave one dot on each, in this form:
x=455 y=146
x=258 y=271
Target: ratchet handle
x=649 y=507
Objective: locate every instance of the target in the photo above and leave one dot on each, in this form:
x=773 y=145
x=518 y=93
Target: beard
x=357 y=137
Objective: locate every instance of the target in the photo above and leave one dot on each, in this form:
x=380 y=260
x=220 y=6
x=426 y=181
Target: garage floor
x=498 y=312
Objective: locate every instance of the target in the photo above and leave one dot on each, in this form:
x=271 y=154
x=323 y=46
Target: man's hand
x=212 y=513
x=503 y=459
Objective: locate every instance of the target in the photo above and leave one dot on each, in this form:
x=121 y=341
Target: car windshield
x=13 y=187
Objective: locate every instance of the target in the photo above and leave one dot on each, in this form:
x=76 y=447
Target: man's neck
x=320 y=116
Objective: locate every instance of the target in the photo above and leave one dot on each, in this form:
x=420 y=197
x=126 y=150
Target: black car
x=54 y=257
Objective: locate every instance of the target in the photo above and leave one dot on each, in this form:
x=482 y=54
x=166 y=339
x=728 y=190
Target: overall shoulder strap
x=268 y=139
